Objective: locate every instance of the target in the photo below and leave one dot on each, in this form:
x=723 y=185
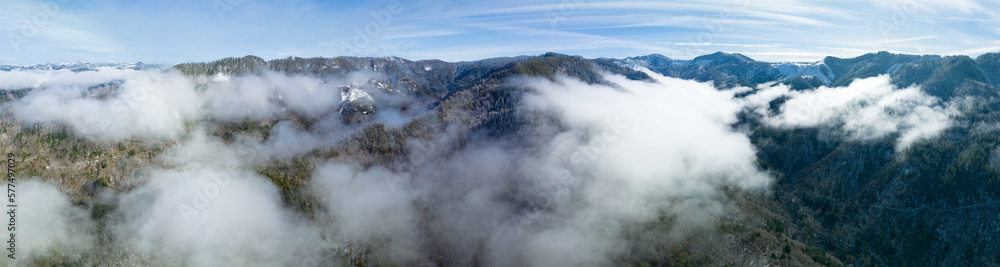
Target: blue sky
x=160 y=31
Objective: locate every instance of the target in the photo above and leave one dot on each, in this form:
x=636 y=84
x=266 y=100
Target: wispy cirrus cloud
x=173 y=32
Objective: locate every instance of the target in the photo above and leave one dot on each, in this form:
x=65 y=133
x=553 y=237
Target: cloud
x=963 y=6
x=685 y=123
x=363 y=207
x=631 y=153
x=588 y=161
x=210 y=209
x=614 y=156
x=864 y=110
x=117 y=105
x=47 y=221
x=26 y=79
x=147 y=104
x=267 y=95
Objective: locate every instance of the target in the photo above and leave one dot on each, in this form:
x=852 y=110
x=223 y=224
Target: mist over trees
x=544 y=160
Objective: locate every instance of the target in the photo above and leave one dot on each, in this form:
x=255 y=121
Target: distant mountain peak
x=725 y=57
x=81 y=66
x=655 y=59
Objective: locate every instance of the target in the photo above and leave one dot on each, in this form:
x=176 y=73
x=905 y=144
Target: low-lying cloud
x=866 y=109
x=28 y=79
x=47 y=221
x=618 y=155
x=590 y=160
x=210 y=210
x=148 y=104
x=115 y=104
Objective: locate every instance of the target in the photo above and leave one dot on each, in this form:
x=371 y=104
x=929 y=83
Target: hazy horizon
x=171 y=32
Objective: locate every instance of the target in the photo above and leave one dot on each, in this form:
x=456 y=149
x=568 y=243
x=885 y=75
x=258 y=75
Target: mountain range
x=839 y=196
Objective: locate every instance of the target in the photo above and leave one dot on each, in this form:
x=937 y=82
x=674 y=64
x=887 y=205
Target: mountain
x=864 y=201
x=943 y=77
x=836 y=199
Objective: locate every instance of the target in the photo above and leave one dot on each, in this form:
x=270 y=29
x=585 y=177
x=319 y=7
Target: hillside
x=466 y=148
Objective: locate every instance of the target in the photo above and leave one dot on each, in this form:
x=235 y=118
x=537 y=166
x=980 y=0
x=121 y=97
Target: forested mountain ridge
x=870 y=203
x=837 y=198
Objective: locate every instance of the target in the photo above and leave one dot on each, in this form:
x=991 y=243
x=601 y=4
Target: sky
x=170 y=32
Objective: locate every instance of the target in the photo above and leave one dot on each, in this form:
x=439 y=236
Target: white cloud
x=684 y=123
x=26 y=79
x=866 y=109
x=363 y=207
x=47 y=221
x=634 y=152
x=624 y=155
x=211 y=209
x=157 y=104
x=594 y=159
x=148 y=104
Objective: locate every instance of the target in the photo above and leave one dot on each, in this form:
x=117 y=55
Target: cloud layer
x=119 y=104
x=864 y=110
x=590 y=160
